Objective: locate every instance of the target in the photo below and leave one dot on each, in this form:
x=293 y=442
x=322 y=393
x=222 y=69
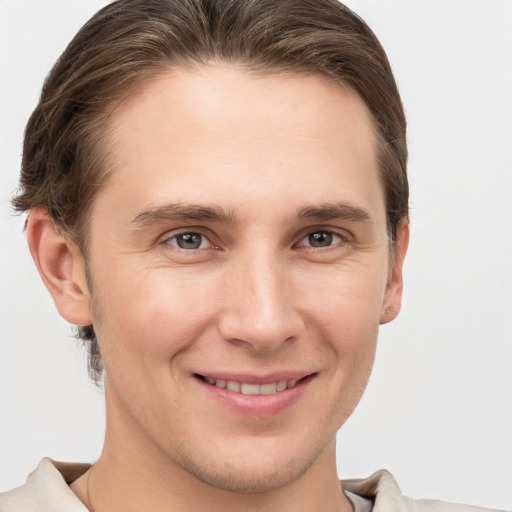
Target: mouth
x=256 y=397
x=246 y=388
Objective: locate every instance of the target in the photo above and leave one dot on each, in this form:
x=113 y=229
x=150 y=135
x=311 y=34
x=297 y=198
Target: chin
x=250 y=476
x=247 y=481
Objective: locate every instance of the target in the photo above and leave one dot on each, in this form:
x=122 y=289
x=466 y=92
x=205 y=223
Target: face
x=239 y=267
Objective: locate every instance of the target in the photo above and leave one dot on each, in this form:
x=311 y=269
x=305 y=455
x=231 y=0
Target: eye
x=189 y=241
x=318 y=239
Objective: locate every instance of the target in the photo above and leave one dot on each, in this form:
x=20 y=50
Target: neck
x=133 y=474
x=123 y=484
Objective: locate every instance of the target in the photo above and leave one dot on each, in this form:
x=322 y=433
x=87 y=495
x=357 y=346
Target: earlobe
x=61 y=267
x=394 y=289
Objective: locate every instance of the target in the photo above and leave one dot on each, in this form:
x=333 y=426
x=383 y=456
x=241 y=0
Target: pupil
x=320 y=239
x=189 y=241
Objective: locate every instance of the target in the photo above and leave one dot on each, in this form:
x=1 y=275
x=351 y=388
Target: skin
x=276 y=160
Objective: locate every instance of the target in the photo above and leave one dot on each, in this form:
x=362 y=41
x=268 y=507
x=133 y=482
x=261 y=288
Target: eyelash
x=189 y=233
x=342 y=238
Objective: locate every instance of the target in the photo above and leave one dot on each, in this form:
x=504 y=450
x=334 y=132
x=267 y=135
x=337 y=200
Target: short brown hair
x=129 y=42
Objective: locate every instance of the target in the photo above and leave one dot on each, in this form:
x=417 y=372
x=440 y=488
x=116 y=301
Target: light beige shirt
x=47 y=490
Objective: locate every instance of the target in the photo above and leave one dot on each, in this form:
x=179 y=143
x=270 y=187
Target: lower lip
x=257 y=406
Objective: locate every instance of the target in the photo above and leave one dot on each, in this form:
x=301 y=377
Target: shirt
x=47 y=490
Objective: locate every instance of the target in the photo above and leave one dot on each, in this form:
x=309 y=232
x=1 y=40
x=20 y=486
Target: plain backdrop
x=438 y=409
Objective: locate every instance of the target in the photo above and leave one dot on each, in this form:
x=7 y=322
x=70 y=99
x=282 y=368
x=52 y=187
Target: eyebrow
x=185 y=212
x=332 y=211
x=198 y=212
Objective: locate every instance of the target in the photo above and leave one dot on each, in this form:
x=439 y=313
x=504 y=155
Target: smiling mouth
x=252 y=389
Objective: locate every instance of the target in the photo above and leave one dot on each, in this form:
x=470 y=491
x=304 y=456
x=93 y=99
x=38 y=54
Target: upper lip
x=253 y=378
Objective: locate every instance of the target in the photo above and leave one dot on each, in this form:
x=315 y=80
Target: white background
x=438 y=410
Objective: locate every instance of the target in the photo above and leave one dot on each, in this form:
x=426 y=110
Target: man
x=217 y=197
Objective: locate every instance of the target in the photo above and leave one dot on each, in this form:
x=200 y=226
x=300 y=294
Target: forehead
x=224 y=135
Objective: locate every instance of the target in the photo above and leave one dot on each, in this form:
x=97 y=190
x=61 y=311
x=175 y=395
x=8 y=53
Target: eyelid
x=345 y=235
x=164 y=239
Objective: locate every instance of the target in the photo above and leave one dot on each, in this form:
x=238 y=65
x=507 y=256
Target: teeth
x=268 y=389
x=282 y=385
x=233 y=386
x=252 y=389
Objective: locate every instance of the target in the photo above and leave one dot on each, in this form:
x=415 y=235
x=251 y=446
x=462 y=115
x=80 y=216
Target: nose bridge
x=260 y=309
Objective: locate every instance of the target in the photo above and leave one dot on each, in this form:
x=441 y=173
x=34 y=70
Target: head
x=134 y=57
x=129 y=43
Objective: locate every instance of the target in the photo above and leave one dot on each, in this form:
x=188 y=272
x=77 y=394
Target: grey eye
x=189 y=241
x=320 y=239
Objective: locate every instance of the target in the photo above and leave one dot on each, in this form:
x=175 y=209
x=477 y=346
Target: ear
x=61 y=267
x=393 y=296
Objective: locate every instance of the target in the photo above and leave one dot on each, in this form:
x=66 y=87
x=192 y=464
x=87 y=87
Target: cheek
x=150 y=317
x=347 y=316
x=351 y=300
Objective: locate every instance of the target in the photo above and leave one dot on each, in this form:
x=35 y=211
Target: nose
x=259 y=307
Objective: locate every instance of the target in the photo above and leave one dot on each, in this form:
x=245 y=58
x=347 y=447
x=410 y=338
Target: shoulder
x=18 y=500
x=383 y=490
x=442 y=506
x=46 y=490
